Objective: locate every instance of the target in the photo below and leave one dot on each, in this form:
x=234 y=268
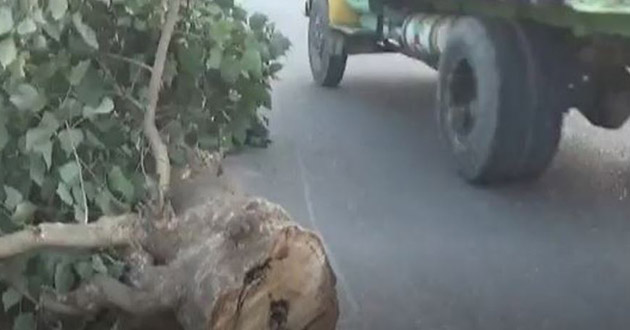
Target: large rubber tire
x=327 y=65
x=494 y=108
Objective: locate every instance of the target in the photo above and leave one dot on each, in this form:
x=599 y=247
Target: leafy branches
x=79 y=108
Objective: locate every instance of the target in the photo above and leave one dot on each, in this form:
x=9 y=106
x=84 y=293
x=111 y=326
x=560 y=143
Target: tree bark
x=247 y=265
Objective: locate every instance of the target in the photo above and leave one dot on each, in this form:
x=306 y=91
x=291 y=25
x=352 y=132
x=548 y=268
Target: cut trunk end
x=293 y=289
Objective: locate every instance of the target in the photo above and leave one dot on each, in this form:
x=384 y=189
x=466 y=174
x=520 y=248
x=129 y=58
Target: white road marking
x=354 y=306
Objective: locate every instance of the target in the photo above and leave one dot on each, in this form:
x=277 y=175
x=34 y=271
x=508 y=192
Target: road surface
x=414 y=247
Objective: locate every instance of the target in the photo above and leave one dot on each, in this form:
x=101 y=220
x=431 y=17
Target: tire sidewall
x=469 y=41
x=319 y=70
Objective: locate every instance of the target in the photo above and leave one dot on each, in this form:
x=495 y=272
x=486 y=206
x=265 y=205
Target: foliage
x=74 y=77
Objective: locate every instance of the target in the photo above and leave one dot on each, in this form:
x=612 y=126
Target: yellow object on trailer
x=340 y=13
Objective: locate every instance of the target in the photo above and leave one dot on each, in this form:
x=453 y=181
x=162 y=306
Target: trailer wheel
x=493 y=106
x=326 y=54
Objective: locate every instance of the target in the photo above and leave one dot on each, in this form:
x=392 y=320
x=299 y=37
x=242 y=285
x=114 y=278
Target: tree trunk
x=253 y=268
x=246 y=264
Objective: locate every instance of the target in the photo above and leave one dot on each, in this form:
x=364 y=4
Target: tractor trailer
x=507 y=69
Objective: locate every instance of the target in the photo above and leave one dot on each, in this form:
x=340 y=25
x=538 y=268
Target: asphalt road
x=414 y=247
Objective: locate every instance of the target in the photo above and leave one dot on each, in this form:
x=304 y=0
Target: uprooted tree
x=101 y=102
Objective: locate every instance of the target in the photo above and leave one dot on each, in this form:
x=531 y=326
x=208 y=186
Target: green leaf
x=8 y=52
x=27 y=26
x=220 y=30
x=17 y=67
x=252 y=62
x=104 y=201
x=257 y=21
x=214 y=62
x=49 y=121
x=38 y=16
x=98 y=265
x=6 y=225
x=225 y=3
x=86 y=32
x=170 y=71
x=84 y=270
x=91 y=89
x=175 y=132
x=6 y=20
x=123 y=21
x=57 y=8
x=24 y=212
x=48 y=189
x=64 y=193
x=26 y=97
x=230 y=69
x=279 y=45
x=119 y=183
x=70 y=139
x=78 y=72
x=239 y=130
x=10 y=298
x=45 y=149
x=213 y=9
x=208 y=141
x=239 y=14
x=274 y=68
x=40 y=43
x=45 y=71
x=69 y=109
x=13 y=197
x=53 y=30
x=38 y=138
x=116 y=269
x=70 y=172
x=106 y=106
x=177 y=155
x=37 y=169
x=190 y=57
x=4 y=136
x=93 y=140
x=140 y=25
x=25 y=321
x=64 y=278
x=90 y=190
x=79 y=213
x=77 y=193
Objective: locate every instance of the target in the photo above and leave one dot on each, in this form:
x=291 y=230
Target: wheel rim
x=461 y=113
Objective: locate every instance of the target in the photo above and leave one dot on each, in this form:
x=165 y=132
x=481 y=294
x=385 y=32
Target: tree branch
x=81 y=181
x=158 y=147
x=105 y=292
x=106 y=232
x=129 y=60
x=119 y=90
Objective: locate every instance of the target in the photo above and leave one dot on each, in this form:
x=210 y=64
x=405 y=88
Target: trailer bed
x=584 y=17
x=585 y=6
